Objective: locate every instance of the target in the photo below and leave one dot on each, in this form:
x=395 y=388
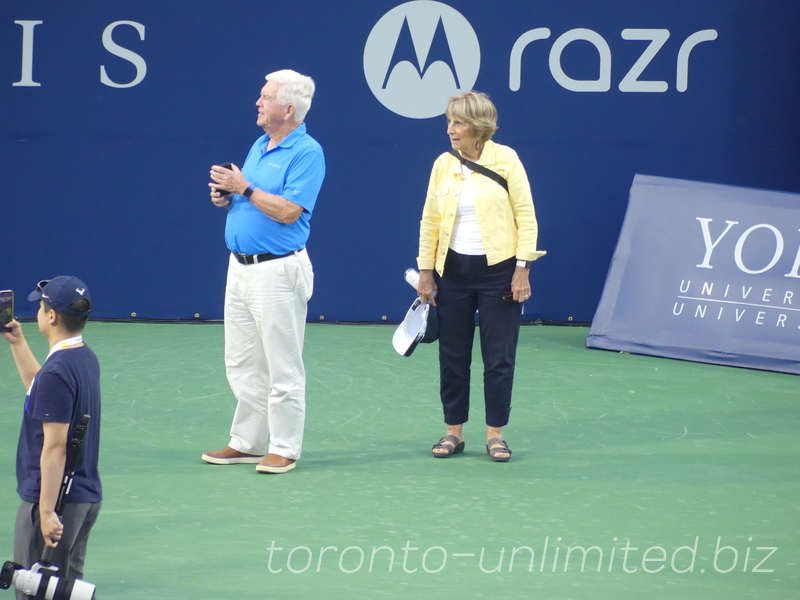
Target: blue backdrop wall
x=112 y=112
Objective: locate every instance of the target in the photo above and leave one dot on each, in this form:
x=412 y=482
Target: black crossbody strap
x=482 y=170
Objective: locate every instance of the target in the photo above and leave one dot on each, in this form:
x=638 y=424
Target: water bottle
x=412 y=278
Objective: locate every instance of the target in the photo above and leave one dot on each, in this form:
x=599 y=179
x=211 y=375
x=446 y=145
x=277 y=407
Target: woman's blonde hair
x=476 y=109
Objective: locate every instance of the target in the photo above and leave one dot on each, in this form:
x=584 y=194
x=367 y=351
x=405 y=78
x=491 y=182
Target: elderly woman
x=477 y=240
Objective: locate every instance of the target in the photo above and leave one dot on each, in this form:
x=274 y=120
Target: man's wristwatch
x=249 y=191
x=525 y=264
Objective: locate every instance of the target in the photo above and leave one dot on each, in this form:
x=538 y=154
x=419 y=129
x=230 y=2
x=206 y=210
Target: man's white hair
x=296 y=89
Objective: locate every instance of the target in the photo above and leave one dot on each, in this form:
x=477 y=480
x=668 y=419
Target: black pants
x=469 y=284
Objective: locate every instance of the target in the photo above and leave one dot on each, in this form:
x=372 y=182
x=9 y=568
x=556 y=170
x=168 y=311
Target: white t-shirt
x=466 y=238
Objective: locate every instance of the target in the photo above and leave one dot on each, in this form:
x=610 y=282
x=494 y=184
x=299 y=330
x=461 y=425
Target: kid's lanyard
x=78 y=339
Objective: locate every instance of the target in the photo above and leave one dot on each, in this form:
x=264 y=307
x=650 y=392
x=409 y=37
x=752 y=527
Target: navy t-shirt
x=66 y=388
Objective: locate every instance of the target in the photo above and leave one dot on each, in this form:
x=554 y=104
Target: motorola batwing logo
x=418 y=55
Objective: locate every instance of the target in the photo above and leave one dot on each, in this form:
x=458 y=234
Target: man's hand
x=52 y=529
x=230 y=180
x=27 y=365
x=15 y=335
x=218 y=199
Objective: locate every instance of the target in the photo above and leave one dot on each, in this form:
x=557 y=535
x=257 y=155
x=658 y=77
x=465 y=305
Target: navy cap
x=60 y=293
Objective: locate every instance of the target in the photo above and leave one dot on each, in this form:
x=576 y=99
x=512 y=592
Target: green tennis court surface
x=632 y=477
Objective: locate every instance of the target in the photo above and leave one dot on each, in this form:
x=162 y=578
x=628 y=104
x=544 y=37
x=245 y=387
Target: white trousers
x=265 y=319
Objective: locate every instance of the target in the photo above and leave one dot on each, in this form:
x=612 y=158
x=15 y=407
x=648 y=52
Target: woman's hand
x=427 y=287
x=520 y=284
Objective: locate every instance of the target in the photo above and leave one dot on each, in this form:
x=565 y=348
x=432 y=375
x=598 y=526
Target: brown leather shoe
x=229 y=456
x=274 y=463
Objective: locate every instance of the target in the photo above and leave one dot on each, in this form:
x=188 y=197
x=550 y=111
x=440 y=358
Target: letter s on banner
x=117 y=50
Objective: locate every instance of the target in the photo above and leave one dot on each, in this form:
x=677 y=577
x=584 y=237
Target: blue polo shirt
x=65 y=388
x=294 y=169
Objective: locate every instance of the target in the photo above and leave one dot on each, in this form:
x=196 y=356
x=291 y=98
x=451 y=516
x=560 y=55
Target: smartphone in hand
x=227 y=165
x=6 y=309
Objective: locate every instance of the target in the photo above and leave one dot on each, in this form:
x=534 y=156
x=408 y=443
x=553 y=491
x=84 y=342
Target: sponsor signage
x=121 y=107
x=29 y=28
x=418 y=55
x=422 y=52
x=705 y=272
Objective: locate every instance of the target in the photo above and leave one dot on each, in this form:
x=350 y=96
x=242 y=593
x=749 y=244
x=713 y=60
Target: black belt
x=253 y=259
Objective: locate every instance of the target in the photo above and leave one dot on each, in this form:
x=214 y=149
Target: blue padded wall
x=112 y=112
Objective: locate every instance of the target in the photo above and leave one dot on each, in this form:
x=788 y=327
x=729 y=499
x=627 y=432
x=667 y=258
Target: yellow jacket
x=507 y=221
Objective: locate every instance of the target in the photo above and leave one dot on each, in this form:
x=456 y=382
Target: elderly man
x=270 y=279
